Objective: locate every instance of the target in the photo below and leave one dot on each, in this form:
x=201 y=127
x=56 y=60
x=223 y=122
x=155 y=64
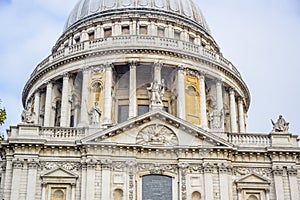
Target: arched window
x=58 y=194
x=118 y=194
x=196 y=196
x=252 y=197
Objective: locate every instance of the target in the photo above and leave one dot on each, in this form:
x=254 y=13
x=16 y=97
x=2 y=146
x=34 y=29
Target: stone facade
x=135 y=102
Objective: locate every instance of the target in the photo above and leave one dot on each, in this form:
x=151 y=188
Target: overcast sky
x=260 y=37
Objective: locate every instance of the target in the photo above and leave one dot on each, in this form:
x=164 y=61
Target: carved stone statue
x=156 y=92
x=216 y=118
x=281 y=125
x=95 y=114
x=27 y=116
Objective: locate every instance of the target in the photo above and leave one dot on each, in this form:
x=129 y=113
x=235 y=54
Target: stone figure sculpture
x=95 y=114
x=216 y=118
x=27 y=116
x=156 y=92
x=281 y=125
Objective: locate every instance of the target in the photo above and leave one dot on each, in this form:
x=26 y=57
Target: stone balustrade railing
x=61 y=133
x=143 y=41
x=240 y=139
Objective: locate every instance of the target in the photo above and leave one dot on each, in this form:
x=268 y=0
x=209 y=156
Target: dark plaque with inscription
x=157 y=187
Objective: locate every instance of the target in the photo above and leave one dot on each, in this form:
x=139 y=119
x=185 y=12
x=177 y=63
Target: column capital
x=158 y=64
x=109 y=66
x=201 y=74
x=132 y=64
x=18 y=164
x=218 y=81
x=231 y=91
x=49 y=83
x=240 y=99
x=181 y=68
x=33 y=164
x=85 y=69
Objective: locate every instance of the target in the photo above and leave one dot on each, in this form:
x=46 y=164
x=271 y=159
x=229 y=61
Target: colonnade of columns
x=236 y=104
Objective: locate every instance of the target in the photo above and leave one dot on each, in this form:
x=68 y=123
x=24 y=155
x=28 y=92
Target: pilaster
x=31 y=180
x=157 y=71
x=16 y=178
x=91 y=165
x=277 y=173
x=8 y=178
x=292 y=176
x=224 y=183
x=106 y=179
x=208 y=180
x=83 y=181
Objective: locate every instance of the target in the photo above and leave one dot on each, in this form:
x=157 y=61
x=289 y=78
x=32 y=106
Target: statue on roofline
x=281 y=125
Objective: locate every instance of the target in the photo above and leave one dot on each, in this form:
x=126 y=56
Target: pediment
x=156 y=128
x=253 y=178
x=59 y=173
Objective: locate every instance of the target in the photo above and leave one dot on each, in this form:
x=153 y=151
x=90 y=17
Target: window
x=177 y=35
x=118 y=194
x=125 y=30
x=77 y=40
x=97 y=91
x=107 y=32
x=161 y=32
x=191 y=39
x=196 y=196
x=58 y=194
x=91 y=35
x=142 y=109
x=123 y=113
x=143 y=30
x=150 y=189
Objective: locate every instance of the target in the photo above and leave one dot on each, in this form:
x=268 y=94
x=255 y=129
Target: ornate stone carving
x=157 y=135
x=27 y=116
x=97 y=69
x=215 y=117
x=65 y=165
x=241 y=171
x=157 y=168
x=208 y=167
x=156 y=92
x=95 y=114
x=18 y=164
x=106 y=163
x=281 y=125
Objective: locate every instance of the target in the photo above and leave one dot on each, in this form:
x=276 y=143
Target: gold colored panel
x=192 y=99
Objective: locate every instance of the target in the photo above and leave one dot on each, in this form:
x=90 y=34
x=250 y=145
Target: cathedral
x=137 y=102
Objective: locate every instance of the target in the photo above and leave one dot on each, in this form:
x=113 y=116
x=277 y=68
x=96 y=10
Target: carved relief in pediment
x=157 y=135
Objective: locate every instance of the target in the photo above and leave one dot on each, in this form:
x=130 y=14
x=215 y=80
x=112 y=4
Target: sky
x=260 y=37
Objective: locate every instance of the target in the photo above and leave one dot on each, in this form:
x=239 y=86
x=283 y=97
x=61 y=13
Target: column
x=232 y=111
x=91 y=180
x=83 y=181
x=73 y=191
x=105 y=190
x=64 y=120
x=220 y=104
x=44 y=191
x=132 y=91
x=36 y=109
x=241 y=115
x=208 y=180
x=16 y=178
x=31 y=180
x=157 y=72
x=224 y=185
x=203 y=102
x=180 y=93
x=108 y=94
x=292 y=173
x=48 y=104
x=84 y=98
x=278 y=172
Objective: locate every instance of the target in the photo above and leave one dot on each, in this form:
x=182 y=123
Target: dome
x=185 y=9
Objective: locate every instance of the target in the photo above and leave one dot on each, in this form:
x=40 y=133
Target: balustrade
x=140 y=41
x=249 y=139
x=62 y=133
